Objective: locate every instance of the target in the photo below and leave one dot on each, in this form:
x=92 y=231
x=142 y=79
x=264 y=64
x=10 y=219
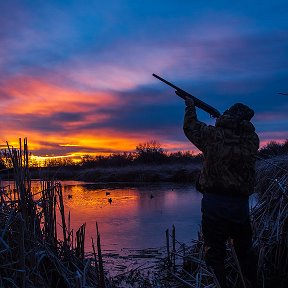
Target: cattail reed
x=31 y=255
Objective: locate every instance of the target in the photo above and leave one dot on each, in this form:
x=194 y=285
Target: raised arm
x=196 y=131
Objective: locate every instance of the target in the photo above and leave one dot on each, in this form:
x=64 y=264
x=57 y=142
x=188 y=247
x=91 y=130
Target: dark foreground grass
x=34 y=253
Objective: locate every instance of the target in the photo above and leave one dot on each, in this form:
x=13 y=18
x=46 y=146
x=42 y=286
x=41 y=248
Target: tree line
x=149 y=152
x=145 y=153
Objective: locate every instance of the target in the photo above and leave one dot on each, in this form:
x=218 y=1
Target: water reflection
x=137 y=216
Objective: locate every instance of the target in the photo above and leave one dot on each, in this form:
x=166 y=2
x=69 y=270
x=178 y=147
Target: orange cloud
x=84 y=142
x=34 y=96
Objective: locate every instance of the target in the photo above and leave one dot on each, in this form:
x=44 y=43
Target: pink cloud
x=278 y=136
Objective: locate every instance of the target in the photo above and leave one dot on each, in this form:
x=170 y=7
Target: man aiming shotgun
x=226 y=181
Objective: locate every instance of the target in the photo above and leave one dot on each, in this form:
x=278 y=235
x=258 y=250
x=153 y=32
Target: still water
x=137 y=217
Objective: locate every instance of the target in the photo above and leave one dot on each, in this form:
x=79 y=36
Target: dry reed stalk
x=69 y=230
x=31 y=255
x=95 y=259
x=101 y=268
x=80 y=241
x=173 y=247
x=62 y=212
x=168 y=248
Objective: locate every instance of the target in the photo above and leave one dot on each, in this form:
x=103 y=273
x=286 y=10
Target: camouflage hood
x=240 y=112
x=228 y=121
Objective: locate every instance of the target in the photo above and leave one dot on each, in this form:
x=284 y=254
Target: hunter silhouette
x=226 y=181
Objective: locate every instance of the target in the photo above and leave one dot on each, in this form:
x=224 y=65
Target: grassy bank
x=136 y=173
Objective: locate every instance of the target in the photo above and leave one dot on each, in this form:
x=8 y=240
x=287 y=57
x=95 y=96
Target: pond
x=137 y=216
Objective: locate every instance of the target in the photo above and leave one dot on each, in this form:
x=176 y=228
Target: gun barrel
x=199 y=103
x=165 y=81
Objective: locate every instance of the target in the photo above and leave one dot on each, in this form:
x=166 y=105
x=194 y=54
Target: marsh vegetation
x=39 y=248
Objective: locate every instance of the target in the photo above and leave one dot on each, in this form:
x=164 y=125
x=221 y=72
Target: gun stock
x=184 y=95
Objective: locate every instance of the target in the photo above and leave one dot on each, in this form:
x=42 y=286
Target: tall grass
x=31 y=254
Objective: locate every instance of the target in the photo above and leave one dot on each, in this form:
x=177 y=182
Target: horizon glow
x=76 y=77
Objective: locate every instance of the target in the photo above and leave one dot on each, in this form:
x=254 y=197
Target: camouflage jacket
x=229 y=150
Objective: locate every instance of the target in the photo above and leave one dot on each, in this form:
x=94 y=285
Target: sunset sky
x=76 y=76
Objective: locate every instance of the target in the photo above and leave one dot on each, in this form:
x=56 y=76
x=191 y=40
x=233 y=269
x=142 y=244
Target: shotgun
x=198 y=103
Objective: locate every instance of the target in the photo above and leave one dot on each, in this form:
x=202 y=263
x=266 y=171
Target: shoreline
x=144 y=173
